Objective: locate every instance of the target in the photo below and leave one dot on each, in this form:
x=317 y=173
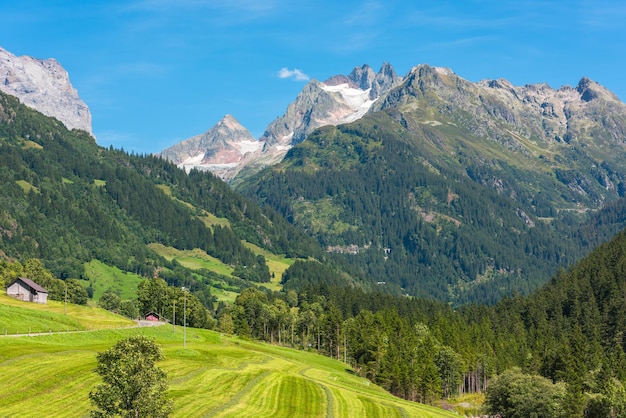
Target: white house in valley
x=27 y=290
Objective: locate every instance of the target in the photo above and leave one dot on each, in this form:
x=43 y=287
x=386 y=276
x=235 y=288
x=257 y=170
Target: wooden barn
x=27 y=290
x=152 y=316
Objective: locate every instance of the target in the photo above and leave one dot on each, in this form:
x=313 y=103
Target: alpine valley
x=457 y=244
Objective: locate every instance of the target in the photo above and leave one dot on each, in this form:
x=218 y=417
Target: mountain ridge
x=339 y=99
x=534 y=109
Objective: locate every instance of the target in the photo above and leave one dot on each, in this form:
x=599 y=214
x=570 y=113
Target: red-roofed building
x=27 y=290
x=152 y=316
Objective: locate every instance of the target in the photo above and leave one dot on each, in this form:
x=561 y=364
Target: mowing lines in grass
x=236 y=401
x=216 y=376
x=379 y=409
x=54 y=393
x=279 y=395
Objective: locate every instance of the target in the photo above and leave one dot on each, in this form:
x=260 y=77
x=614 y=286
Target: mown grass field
x=18 y=317
x=215 y=376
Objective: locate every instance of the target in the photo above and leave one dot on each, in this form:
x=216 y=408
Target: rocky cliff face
x=44 y=85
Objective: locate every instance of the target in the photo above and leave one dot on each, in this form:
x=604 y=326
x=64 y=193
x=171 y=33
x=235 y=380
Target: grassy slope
x=221 y=376
x=104 y=277
x=276 y=264
x=21 y=317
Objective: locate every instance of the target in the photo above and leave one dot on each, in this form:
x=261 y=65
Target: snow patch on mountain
x=249 y=146
x=357 y=100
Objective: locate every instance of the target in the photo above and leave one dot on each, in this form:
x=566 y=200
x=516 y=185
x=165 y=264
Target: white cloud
x=296 y=74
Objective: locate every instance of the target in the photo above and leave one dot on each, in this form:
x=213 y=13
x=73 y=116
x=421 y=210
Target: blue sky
x=155 y=72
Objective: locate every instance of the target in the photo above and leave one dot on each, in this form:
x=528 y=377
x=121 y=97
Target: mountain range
x=458 y=190
x=514 y=116
x=228 y=148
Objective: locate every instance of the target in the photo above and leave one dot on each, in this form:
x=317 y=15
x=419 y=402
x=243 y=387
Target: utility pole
x=185 y=319
x=174 y=320
x=65 y=305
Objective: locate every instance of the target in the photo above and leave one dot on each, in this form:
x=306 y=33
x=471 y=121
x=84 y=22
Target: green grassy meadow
x=193 y=259
x=104 y=277
x=19 y=317
x=277 y=265
x=215 y=376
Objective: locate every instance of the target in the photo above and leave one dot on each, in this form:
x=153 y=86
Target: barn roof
x=32 y=285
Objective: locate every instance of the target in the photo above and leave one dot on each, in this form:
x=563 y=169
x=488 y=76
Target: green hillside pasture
x=104 y=277
x=276 y=263
x=224 y=295
x=19 y=317
x=193 y=259
x=198 y=259
x=216 y=376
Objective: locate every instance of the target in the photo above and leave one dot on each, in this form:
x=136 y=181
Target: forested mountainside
x=66 y=201
x=563 y=345
x=459 y=191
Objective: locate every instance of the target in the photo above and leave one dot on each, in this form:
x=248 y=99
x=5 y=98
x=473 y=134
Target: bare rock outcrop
x=44 y=85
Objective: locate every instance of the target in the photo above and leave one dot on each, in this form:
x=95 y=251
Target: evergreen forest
x=407 y=216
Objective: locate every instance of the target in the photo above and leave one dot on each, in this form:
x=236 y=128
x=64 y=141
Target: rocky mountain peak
x=44 y=85
x=384 y=80
x=590 y=90
x=363 y=77
x=339 y=99
x=218 y=149
x=226 y=130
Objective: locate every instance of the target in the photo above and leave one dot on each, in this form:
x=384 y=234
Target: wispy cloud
x=366 y=15
x=295 y=74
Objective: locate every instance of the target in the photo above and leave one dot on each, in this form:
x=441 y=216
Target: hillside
x=217 y=375
x=67 y=201
x=456 y=190
x=18 y=317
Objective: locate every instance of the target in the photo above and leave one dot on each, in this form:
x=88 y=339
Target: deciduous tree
x=132 y=385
